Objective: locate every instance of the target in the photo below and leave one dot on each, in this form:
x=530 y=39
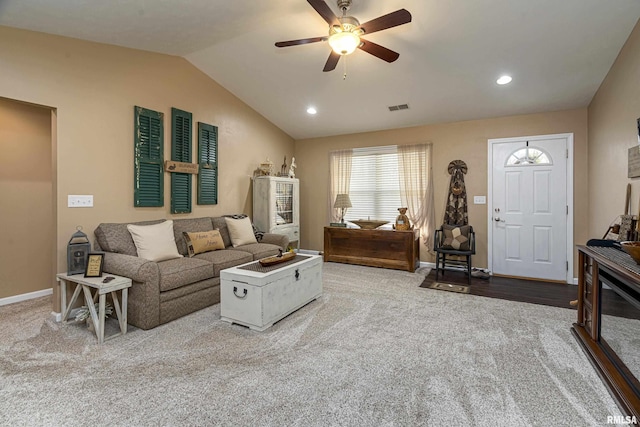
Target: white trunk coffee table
x=257 y=297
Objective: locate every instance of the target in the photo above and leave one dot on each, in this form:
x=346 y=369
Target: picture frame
x=95 y=262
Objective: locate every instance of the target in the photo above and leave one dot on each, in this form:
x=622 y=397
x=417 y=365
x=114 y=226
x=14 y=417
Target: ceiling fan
x=345 y=32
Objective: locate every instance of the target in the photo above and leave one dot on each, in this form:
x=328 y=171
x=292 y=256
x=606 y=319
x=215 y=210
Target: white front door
x=528 y=207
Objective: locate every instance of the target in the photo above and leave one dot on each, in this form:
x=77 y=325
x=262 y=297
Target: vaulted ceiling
x=557 y=51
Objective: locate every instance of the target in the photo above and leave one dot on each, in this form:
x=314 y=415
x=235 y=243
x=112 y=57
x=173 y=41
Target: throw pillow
x=240 y=231
x=154 y=242
x=203 y=241
x=259 y=234
x=456 y=237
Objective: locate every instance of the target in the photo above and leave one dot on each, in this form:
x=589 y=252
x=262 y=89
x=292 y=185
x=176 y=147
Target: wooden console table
x=608 y=266
x=395 y=249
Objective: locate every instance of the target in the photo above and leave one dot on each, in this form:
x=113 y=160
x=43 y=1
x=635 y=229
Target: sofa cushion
x=203 y=241
x=178 y=272
x=189 y=225
x=115 y=237
x=154 y=242
x=240 y=231
x=259 y=250
x=224 y=259
x=221 y=225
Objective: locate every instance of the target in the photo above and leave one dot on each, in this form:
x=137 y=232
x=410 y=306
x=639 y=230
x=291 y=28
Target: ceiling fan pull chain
x=344 y=62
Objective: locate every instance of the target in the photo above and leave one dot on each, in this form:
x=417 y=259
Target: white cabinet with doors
x=276 y=206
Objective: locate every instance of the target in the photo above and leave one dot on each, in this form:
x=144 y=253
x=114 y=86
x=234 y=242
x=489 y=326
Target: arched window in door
x=528 y=156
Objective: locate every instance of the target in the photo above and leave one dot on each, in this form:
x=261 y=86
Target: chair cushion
x=456 y=237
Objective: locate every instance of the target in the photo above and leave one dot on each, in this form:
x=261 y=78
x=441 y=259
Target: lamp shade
x=344 y=43
x=342 y=201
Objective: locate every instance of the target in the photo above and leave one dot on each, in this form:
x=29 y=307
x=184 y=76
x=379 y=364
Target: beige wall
x=612 y=131
x=451 y=141
x=26 y=207
x=94 y=88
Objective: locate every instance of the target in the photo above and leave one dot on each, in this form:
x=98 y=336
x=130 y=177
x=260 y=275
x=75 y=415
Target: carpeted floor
x=374 y=350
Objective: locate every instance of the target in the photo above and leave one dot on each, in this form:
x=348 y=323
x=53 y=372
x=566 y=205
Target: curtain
x=339 y=179
x=416 y=188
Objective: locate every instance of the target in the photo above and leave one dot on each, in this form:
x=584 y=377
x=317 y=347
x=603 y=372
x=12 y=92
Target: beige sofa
x=166 y=290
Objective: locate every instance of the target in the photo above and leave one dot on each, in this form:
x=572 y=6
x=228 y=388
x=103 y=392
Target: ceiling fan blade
x=323 y=9
x=300 y=41
x=331 y=62
x=389 y=20
x=379 y=51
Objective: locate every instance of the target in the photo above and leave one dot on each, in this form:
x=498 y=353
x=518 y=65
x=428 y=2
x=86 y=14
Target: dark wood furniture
x=395 y=249
x=608 y=266
x=442 y=252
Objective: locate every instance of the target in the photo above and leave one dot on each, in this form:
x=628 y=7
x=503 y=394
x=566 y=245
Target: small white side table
x=119 y=283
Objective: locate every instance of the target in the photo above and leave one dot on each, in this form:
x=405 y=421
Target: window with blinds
x=375 y=189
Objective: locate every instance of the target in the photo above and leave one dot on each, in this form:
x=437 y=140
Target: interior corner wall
x=26 y=198
x=93 y=88
x=613 y=130
x=467 y=141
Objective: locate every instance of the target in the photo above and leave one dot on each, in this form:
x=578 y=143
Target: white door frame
x=569 y=159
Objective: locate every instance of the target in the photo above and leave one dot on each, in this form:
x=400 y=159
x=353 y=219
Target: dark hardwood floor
x=532 y=291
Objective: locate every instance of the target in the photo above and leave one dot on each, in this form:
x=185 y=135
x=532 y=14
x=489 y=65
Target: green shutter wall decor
x=148 y=158
x=180 y=152
x=208 y=164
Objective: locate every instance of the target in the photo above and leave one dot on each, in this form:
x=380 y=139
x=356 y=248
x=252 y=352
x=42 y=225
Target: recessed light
x=312 y=110
x=503 y=80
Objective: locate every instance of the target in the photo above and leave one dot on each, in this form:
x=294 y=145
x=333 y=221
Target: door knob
x=497 y=219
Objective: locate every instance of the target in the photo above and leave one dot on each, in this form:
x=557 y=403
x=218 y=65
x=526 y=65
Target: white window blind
x=374 y=190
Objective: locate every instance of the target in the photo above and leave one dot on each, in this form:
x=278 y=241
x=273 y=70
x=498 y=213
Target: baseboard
x=308 y=252
x=25 y=297
x=72 y=314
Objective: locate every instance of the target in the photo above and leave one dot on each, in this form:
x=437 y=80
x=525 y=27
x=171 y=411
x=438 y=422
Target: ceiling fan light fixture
x=344 y=43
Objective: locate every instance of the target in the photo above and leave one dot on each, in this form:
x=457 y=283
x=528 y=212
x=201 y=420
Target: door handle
x=497 y=219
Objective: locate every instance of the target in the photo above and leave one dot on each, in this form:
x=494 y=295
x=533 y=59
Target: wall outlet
x=74 y=201
x=479 y=200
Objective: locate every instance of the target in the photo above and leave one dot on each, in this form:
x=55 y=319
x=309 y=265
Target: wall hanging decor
x=208 y=161
x=148 y=175
x=181 y=122
x=456 y=210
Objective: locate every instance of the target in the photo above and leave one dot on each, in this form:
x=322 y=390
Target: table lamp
x=342 y=202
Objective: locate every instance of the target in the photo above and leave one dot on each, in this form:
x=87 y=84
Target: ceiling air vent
x=398 y=107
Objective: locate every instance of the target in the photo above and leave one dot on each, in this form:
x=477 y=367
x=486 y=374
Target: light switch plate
x=84 y=201
x=479 y=200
